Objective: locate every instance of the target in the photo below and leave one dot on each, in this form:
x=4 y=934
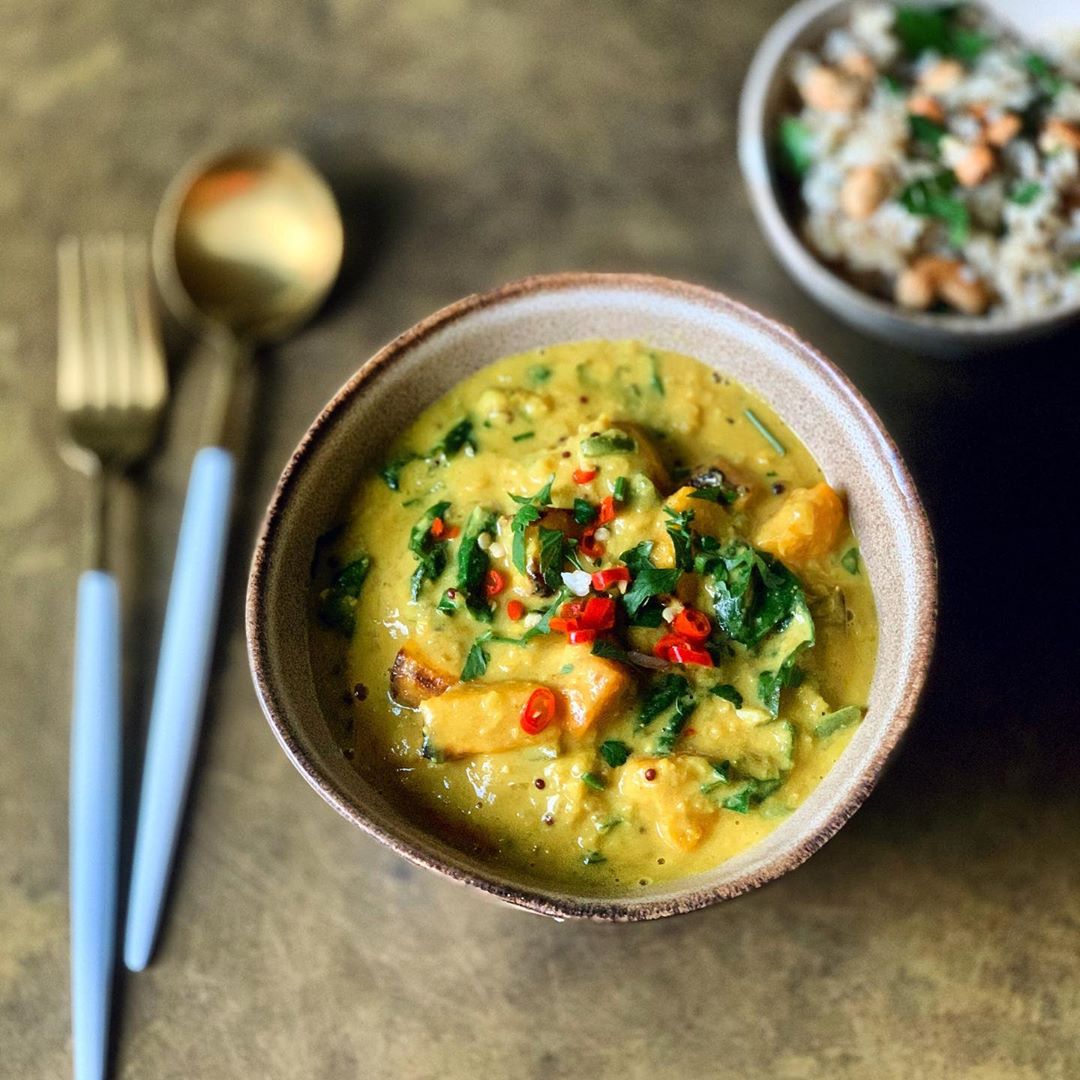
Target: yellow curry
x=604 y=621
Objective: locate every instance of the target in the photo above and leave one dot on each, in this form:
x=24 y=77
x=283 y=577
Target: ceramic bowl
x=766 y=95
x=353 y=431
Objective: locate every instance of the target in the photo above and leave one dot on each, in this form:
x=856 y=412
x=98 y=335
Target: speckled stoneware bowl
x=827 y=413
x=766 y=95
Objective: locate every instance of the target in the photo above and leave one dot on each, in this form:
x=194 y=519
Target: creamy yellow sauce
x=455 y=755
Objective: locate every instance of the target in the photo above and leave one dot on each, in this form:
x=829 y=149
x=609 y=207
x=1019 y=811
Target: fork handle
x=187 y=647
x=94 y=836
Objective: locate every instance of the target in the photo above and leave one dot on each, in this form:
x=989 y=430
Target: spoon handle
x=95 y=818
x=187 y=647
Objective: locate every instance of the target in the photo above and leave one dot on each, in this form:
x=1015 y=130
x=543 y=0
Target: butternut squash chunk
x=805 y=527
x=671 y=800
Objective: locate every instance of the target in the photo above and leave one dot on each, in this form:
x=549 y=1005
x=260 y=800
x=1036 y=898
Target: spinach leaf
x=609 y=649
x=538 y=373
x=530 y=511
x=551 y=556
x=456 y=439
x=476 y=662
x=752 y=792
x=921 y=29
x=850 y=560
x=1047 y=80
x=614 y=752
x=1025 y=193
x=544 y=625
x=594 y=858
x=648 y=580
x=673 y=729
x=660 y=697
x=926 y=131
x=590 y=779
x=834 y=721
x=391 y=471
x=584 y=512
x=337 y=603
x=429 y=550
x=473 y=563
x=728 y=693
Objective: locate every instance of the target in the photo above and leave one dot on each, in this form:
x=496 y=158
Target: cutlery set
x=246 y=247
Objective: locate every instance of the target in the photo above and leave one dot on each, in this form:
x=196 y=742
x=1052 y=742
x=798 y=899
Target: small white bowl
x=765 y=95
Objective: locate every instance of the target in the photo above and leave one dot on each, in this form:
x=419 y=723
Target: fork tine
x=95 y=275
x=118 y=335
x=148 y=358
x=71 y=388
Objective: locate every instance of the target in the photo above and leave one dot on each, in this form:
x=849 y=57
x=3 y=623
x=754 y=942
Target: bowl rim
x=535 y=899
x=798 y=258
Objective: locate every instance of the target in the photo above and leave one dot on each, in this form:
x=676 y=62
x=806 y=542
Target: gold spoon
x=246 y=247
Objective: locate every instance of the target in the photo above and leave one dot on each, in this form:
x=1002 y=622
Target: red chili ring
x=538 y=711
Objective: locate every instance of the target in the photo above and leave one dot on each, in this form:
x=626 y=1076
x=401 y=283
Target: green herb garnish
x=673 y=729
x=620 y=489
x=926 y=131
x=1025 y=193
x=391 y=471
x=552 y=543
x=594 y=858
x=429 y=550
x=764 y=432
x=447 y=604
x=476 y=662
x=609 y=649
x=590 y=779
x=850 y=560
x=539 y=373
x=648 y=580
x=337 y=603
x=678 y=528
x=524 y=435
x=530 y=511
x=924 y=28
x=752 y=792
x=834 y=721
x=933 y=197
x=614 y=752
x=608 y=442
x=456 y=439
x=660 y=696
x=584 y=511
x=1048 y=81
x=473 y=563
x=655 y=379
x=728 y=693
x=796 y=146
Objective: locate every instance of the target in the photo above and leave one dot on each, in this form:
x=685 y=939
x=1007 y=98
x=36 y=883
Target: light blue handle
x=95 y=818
x=187 y=646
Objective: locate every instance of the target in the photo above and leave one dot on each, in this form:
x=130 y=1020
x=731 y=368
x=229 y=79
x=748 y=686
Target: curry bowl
x=352 y=436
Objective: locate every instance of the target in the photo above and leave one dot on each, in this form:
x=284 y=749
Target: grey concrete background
x=936 y=936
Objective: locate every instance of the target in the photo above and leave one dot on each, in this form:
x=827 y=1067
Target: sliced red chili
x=572 y=609
x=663 y=647
x=538 y=711
x=585 y=476
x=604 y=579
x=584 y=636
x=559 y=625
x=494 y=583
x=438 y=527
x=693 y=625
x=589 y=546
x=599 y=613
x=607 y=510
x=515 y=609
x=685 y=653
x=452 y=533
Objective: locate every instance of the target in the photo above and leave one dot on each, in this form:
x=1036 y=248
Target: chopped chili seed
x=650 y=774
x=599 y=613
x=438 y=527
x=572 y=609
x=604 y=579
x=515 y=609
x=494 y=583
x=583 y=636
x=538 y=711
x=607 y=509
x=585 y=476
x=663 y=647
x=693 y=625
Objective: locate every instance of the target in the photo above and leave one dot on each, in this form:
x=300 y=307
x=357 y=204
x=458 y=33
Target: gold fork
x=111 y=390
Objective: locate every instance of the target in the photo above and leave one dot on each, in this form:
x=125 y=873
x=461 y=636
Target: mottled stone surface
x=936 y=936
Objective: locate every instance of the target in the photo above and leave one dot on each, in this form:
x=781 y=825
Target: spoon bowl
x=250 y=240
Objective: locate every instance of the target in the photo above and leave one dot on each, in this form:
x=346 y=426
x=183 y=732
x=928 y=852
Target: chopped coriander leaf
x=566 y=669
x=721 y=494
x=921 y=29
x=476 y=662
x=673 y=729
x=552 y=544
x=529 y=511
x=655 y=379
x=893 y=85
x=660 y=696
x=607 y=826
x=447 y=604
x=647 y=580
x=678 y=528
x=544 y=625
x=796 y=146
x=1048 y=81
x=620 y=489
x=1074 y=265
x=337 y=604
x=594 y=858
x=722 y=769
x=770 y=683
x=728 y=693
x=391 y=471
x=1025 y=193
x=926 y=131
x=850 y=560
x=752 y=792
x=590 y=779
x=764 y=432
x=608 y=442
x=933 y=197
x=525 y=435
x=834 y=721
x=539 y=373
x=430 y=552
x=614 y=752
x=584 y=512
